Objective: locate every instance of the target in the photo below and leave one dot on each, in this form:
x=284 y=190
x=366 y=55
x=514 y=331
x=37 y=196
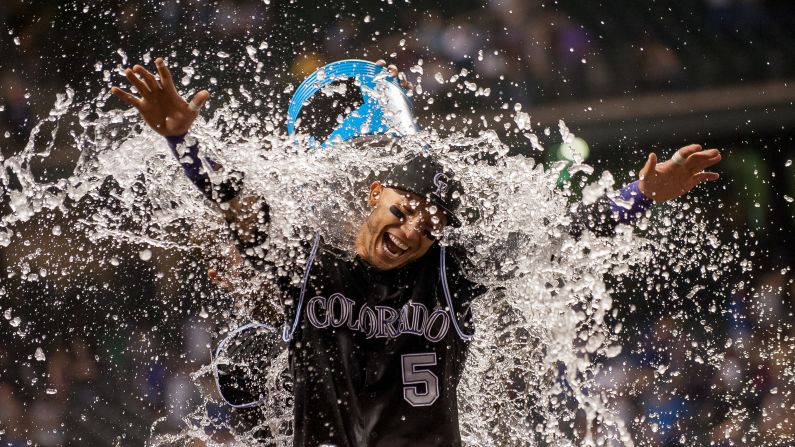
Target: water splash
x=542 y=329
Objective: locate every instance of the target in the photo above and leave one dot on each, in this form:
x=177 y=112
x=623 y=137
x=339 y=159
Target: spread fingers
x=704 y=159
x=148 y=78
x=126 y=97
x=165 y=75
x=705 y=176
x=688 y=150
x=137 y=82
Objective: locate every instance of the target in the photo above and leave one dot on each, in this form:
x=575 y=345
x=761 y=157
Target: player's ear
x=376 y=191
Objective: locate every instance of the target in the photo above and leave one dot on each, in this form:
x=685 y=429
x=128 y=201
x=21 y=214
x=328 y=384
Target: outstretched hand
x=675 y=177
x=159 y=103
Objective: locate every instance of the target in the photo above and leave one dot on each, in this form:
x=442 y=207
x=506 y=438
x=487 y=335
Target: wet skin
x=401 y=228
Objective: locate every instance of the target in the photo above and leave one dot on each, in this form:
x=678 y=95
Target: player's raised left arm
x=673 y=178
x=659 y=182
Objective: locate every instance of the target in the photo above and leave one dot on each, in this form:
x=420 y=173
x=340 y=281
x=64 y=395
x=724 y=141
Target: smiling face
x=400 y=229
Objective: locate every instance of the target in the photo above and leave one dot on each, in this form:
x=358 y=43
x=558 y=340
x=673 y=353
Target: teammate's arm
x=658 y=182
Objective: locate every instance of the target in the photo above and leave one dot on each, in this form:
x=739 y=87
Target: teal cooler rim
x=368 y=75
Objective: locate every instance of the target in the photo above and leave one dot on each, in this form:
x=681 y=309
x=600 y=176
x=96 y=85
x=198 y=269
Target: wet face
x=401 y=228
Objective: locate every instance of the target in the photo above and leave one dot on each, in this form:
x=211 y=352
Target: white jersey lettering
x=378 y=321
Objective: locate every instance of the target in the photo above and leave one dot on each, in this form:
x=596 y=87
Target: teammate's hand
x=673 y=178
x=159 y=103
x=395 y=73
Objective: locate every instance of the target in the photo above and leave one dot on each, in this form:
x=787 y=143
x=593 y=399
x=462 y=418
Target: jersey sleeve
x=602 y=216
x=197 y=169
x=249 y=221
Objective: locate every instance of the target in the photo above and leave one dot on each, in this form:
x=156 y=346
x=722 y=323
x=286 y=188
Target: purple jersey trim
x=640 y=203
x=176 y=140
x=191 y=164
x=187 y=154
x=190 y=161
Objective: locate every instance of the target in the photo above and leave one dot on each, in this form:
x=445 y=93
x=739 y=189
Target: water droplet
x=145 y=254
x=51 y=391
x=56 y=230
x=16 y=321
x=252 y=52
x=39 y=355
x=189 y=72
x=522 y=120
x=123 y=55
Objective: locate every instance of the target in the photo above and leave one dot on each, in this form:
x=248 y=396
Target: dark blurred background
x=118 y=340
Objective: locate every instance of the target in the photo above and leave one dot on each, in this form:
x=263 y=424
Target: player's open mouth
x=393 y=246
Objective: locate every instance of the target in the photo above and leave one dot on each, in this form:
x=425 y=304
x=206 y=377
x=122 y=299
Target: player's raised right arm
x=158 y=102
x=168 y=114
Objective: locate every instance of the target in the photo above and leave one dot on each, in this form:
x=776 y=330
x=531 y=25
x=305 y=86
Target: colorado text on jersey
x=378 y=321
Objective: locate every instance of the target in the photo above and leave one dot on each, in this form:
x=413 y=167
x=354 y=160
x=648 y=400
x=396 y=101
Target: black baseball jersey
x=376 y=356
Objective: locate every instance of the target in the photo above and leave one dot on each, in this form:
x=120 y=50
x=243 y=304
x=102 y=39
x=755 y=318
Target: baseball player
x=378 y=338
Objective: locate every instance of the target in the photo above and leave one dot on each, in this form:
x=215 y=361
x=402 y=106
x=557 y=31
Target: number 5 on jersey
x=421 y=386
